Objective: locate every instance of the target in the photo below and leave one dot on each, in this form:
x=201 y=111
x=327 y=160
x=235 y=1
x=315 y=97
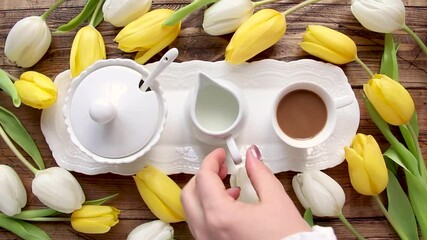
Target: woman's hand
x=213 y=212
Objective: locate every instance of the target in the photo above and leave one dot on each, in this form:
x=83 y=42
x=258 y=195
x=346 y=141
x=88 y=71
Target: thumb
x=267 y=186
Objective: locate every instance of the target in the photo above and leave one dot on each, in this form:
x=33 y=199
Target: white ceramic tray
x=178 y=151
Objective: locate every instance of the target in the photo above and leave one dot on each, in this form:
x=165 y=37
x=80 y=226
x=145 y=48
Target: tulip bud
x=88 y=47
x=122 y=12
x=329 y=45
x=36 y=90
x=148 y=35
x=366 y=166
x=383 y=16
x=12 y=191
x=57 y=188
x=27 y=41
x=93 y=219
x=391 y=100
x=154 y=230
x=161 y=194
x=319 y=192
x=261 y=31
x=241 y=179
x=226 y=16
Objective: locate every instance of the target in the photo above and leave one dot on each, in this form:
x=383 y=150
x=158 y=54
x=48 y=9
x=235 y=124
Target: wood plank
x=195 y=44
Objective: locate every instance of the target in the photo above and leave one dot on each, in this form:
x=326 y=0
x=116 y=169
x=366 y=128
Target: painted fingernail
x=255 y=152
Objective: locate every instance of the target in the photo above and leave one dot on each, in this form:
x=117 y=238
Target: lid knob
x=102 y=111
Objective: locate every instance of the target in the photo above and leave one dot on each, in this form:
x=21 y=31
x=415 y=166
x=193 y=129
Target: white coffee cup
x=216 y=111
x=331 y=105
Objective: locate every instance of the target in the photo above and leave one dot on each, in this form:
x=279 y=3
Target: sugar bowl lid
x=107 y=115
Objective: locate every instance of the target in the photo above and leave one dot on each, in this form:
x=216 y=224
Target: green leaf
x=400 y=209
x=23 y=229
x=80 y=18
x=308 y=217
x=15 y=130
x=394 y=156
x=417 y=190
x=389 y=65
x=391 y=165
x=7 y=85
x=101 y=200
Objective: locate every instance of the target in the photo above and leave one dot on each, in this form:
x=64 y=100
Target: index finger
x=209 y=184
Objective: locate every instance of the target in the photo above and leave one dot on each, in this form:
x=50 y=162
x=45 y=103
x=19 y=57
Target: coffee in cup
x=304 y=114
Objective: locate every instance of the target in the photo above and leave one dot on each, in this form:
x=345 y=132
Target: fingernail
x=255 y=152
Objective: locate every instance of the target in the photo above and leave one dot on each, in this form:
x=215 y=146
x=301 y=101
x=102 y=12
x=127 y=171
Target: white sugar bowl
x=107 y=115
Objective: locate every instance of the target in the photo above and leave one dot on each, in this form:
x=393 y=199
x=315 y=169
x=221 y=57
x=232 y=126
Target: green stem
x=298 y=6
x=95 y=12
x=387 y=215
x=349 y=226
x=16 y=152
x=185 y=11
x=259 y=3
x=51 y=9
x=419 y=155
x=416 y=38
x=364 y=66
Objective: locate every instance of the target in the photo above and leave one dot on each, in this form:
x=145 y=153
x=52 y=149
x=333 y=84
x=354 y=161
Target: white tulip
x=58 y=189
x=383 y=16
x=121 y=12
x=241 y=179
x=27 y=41
x=225 y=16
x=318 y=191
x=154 y=230
x=12 y=191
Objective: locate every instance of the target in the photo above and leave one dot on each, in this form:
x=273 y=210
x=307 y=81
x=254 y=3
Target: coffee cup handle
x=343 y=101
x=233 y=150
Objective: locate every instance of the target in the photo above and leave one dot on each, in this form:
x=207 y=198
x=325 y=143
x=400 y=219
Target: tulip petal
x=121 y=13
x=359 y=177
x=261 y=31
x=27 y=41
x=391 y=100
x=375 y=165
x=88 y=46
x=331 y=39
x=58 y=189
x=143 y=56
x=324 y=53
x=226 y=16
x=33 y=96
x=89 y=227
x=383 y=16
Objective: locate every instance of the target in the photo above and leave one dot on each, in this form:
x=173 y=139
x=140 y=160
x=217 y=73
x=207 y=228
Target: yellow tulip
x=329 y=45
x=261 y=31
x=88 y=47
x=391 y=100
x=94 y=219
x=161 y=194
x=366 y=165
x=36 y=90
x=147 y=35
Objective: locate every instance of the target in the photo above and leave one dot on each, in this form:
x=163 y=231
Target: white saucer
x=178 y=151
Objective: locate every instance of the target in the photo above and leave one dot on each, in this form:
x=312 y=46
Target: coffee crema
x=301 y=114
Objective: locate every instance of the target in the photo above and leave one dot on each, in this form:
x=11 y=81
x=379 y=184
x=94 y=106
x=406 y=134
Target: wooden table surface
x=194 y=44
